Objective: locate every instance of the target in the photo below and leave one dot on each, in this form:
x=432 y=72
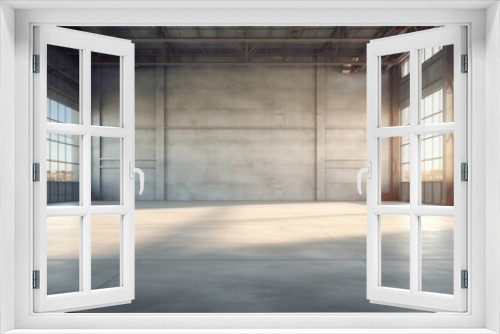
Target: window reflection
x=63 y=158
x=437 y=169
x=61 y=112
x=428 y=53
x=432 y=108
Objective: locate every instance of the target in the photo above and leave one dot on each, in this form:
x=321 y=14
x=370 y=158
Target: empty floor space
x=251 y=257
x=250 y=139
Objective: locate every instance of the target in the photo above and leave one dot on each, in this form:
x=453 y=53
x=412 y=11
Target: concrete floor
x=248 y=257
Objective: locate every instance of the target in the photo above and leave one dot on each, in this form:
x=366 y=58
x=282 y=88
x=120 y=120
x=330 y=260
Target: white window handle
x=134 y=170
x=368 y=171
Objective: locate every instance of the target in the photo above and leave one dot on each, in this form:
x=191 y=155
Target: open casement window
x=77 y=229
x=416 y=199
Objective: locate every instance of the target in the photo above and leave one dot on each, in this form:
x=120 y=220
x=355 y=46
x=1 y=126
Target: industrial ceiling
x=340 y=46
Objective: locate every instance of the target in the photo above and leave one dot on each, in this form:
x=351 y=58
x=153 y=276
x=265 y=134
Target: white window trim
x=481 y=314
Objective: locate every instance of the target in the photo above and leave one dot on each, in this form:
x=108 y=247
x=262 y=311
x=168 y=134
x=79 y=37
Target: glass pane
x=395 y=251
x=395 y=89
x=63 y=169
x=404 y=118
x=437 y=254
x=437 y=169
x=105 y=252
x=63 y=85
x=105 y=184
x=437 y=85
x=105 y=90
x=63 y=255
x=395 y=170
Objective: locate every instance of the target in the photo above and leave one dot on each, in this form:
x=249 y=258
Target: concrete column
x=320 y=132
x=160 y=133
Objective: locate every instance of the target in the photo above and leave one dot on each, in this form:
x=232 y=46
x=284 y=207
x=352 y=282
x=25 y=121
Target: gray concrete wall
x=240 y=132
x=255 y=132
x=105 y=152
x=345 y=133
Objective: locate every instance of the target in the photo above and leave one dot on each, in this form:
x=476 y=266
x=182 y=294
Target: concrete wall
x=258 y=132
x=105 y=163
x=240 y=133
x=345 y=123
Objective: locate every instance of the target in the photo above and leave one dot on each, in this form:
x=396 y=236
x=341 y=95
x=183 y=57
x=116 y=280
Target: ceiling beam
x=225 y=62
x=232 y=40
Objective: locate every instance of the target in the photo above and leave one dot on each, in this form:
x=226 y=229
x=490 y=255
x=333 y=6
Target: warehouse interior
x=250 y=139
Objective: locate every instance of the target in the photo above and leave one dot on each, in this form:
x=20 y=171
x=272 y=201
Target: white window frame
x=85 y=43
x=415 y=209
x=480 y=314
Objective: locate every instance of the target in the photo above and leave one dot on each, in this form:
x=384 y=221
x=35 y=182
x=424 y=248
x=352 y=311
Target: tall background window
x=432 y=145
x=63 y=152
x=63 y=103
x=436 y=149
x=405 y=147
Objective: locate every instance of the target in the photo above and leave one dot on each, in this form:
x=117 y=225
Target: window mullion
x=86 y=163
x=414 y=168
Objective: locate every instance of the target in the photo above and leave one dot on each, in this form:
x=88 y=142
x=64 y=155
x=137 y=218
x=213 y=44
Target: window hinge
x=464 y=171
x=36 y=172
x=465 y=279
x=36 y=63
x=36 y=279
x=465 y=63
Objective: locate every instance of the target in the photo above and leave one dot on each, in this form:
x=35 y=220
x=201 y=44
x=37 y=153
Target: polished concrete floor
x=250 y=257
